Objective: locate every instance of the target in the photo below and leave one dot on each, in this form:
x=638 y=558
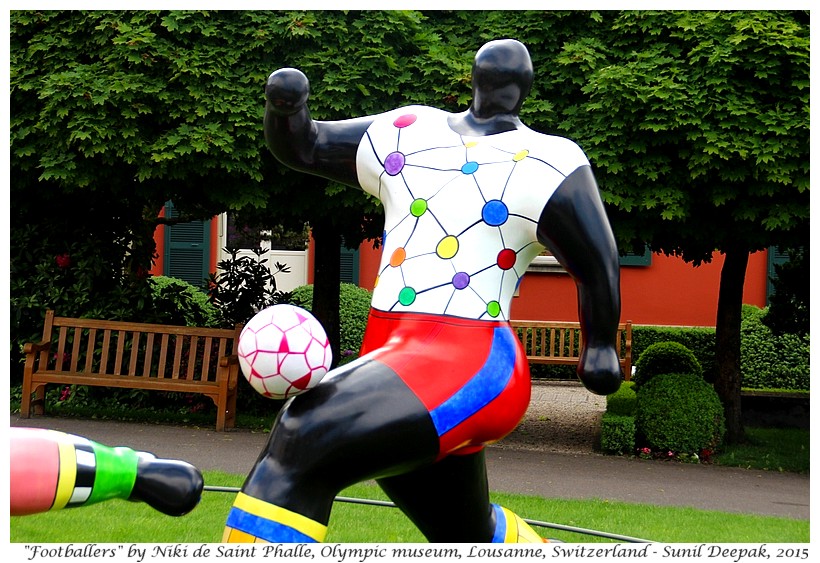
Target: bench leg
x=25 y=401
x=230 y=411
x=37 y=404
x=220 y=418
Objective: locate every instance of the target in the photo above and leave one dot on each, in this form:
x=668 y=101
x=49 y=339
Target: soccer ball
x=283 y=351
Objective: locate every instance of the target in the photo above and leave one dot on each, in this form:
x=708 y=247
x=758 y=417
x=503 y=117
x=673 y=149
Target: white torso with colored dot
x=460 y=212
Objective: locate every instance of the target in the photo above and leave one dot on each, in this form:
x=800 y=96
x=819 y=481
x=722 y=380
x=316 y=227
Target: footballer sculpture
x=469 y=200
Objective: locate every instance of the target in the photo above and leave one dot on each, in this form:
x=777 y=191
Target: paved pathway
x=580 y=475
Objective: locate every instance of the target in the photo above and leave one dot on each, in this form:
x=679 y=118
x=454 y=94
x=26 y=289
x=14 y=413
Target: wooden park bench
x=559 y=343
x=135 y=356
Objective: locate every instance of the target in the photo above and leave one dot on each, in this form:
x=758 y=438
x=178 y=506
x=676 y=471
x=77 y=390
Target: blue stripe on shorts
x=485 y=385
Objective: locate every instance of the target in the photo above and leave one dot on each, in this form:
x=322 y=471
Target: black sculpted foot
x=173 y=487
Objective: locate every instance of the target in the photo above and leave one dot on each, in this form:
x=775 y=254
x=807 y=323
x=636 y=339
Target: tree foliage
x=698 y=125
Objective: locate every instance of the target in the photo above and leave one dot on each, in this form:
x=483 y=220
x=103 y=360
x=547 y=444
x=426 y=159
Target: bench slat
x=120 y=352
x=149 y=354
x=75 y=348
x=61 y=347
x=163 y=355
x=135 y=349
x=177 y=357
x=89 y=351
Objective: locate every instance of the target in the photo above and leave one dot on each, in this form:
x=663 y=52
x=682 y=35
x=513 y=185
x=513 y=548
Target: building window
x=187 y=249
x=775 y=257
x=348 y=265
x=636 y=259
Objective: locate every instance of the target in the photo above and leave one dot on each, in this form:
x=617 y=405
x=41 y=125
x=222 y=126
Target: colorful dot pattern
x=460 y=212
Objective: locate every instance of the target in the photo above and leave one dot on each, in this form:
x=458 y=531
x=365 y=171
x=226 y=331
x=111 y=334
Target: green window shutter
x=349 y=265
x=775 y=257
x=634 y=259
x=187 y=249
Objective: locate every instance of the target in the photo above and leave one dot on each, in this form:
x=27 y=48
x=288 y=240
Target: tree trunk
x=326 y=271
x=727 y=337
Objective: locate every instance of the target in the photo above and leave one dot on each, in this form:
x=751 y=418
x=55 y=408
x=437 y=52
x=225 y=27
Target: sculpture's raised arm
x=574 y=226
x=324 y=148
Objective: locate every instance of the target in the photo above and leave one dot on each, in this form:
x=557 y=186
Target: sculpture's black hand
x=599 y=370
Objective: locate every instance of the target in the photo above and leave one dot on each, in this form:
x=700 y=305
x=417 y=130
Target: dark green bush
x=770 y=361
x=700 y=340
x=623 y=401
x=665 y=357
x=617 y=433
x=177 y=302
x=679 y=412
x=354 y=306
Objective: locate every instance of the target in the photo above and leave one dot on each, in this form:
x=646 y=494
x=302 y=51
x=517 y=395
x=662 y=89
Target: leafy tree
x=112 y=114
x=115 y=113
x=698 y=126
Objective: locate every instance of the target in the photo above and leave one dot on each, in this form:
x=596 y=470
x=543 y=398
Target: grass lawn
x=125 y=522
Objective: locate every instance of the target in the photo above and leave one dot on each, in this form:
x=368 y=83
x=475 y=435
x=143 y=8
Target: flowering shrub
x=63 y=260
x=668 y=455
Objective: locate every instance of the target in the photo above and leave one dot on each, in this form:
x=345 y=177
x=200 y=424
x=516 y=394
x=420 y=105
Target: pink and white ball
x=284 y=351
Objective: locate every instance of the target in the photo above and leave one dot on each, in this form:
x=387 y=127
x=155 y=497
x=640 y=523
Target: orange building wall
x=669 y=292
x=159 y=240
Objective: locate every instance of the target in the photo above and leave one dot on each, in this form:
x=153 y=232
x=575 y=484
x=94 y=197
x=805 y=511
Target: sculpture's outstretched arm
x=324 y=148
x=574 y=226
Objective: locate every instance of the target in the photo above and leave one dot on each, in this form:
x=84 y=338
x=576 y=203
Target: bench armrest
x=36 y=347
x=225 y=361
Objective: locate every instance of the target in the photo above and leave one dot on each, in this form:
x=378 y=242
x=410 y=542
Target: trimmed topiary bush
x=679 y=412
x=623 y=401
x=354 y=307
x=665 y=357
x=617 y=433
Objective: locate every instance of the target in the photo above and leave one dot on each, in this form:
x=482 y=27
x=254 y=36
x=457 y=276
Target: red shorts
x=471 y=375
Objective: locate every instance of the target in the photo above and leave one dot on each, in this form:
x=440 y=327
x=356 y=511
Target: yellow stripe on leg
x=519 y=531
x=259 y=519
x=68 y=475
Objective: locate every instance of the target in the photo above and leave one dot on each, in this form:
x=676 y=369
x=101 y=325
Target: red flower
x=63 y=260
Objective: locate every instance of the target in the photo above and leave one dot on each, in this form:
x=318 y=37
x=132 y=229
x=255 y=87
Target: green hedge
x=617 y=433
x=700 y=340
x=769 y=361
x=623 y=401
x=354 y=307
